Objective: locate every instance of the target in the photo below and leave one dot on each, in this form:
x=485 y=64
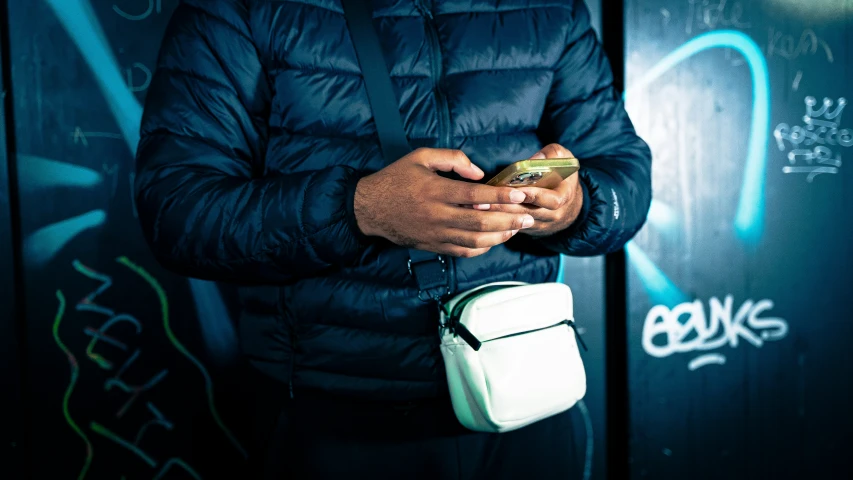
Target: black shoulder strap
x=431 y=271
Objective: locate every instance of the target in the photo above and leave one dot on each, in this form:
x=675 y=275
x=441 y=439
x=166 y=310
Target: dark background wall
x=129 y=368
x=128 y=371
x=740 y=317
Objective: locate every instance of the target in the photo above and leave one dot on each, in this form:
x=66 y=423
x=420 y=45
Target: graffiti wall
x=739 y=319
x=132 y=370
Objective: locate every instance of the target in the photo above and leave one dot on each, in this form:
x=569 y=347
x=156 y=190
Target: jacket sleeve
x=585 y=114
x=207 y=207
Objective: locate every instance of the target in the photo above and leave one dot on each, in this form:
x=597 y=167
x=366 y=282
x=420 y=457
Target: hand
x=553 y=210
x=409 y=204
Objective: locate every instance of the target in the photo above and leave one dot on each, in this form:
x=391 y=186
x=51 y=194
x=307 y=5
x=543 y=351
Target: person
x=259 y=165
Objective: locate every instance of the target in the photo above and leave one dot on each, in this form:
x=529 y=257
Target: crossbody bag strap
x=432 y=272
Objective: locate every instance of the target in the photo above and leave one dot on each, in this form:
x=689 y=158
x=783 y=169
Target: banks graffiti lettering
x=700 y=331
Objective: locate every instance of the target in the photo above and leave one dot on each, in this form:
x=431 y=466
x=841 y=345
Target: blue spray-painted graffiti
x=217 y=332
x=661 y=289
x=749 y=218
x=38 y=174
x=675 y=315
x=79 y=20
x=82 y=25
x=41 y=246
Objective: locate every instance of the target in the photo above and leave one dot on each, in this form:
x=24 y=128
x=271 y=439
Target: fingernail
x=482 y=206
x=517 y=197
x=528 y=222
x=514 y=232
x=477 y=169
x=539 y=155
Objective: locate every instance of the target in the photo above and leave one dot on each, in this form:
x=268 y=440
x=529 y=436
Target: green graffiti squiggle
x=100 y=429
x=208 y=382
x=75 y=371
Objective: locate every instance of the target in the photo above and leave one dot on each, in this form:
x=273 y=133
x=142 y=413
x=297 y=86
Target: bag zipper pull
x=469 y=337
x=578 y=335
x=443 y=315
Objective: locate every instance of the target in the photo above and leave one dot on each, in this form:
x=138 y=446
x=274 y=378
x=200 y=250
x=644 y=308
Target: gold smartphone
x=544 y=173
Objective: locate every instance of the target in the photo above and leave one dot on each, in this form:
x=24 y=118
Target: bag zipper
x=460 y=304
x=470 y=339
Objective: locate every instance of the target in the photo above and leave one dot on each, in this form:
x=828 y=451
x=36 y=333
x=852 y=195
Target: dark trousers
x=318 y=436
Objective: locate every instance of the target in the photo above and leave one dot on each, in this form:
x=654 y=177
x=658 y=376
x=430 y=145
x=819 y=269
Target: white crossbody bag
x=511 y=354
x=510 y=349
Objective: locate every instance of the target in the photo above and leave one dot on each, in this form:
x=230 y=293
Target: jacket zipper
x=293 y=346
x=290 y=325
x=292 y=360
x=471 y=340
x=435 y=63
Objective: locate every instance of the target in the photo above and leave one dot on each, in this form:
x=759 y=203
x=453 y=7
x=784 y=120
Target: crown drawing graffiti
x=821 y=127
x=823 y=111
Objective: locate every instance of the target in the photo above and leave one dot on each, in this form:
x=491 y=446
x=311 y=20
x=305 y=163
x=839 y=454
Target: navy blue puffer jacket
x=257 y=128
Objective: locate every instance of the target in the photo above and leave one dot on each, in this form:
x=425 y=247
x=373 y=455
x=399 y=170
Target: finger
x=565 y=188
x=457 y=251
x=545 y=198
x=555 y=150
x=447 y=160
x=477 y=221
x=465 y=238
x=451 y=249
x=539 y=214
x=481 y=206
x=454 y=191
x=515 y=208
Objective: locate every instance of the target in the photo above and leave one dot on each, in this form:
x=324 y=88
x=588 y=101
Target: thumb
x=553 y=150
x=447 y=160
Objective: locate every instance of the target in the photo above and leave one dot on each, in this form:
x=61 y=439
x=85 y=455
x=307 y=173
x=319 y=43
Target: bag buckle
x=432 y=277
